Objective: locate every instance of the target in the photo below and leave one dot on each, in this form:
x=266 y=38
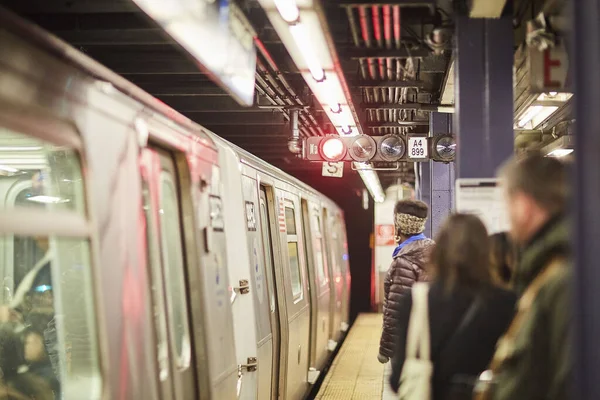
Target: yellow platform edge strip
x=355 y=373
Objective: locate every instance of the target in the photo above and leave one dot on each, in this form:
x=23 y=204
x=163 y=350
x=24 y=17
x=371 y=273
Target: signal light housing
x=443 y=148
x=332 y=148
x=388 y=148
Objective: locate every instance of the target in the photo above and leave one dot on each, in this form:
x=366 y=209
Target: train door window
x=47 y=278
x=172 y=256
x=322 y=274
x=292 y=242
x=158 y=301
x=267 y=245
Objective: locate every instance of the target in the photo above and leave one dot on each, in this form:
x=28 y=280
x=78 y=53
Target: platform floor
x=355 y=373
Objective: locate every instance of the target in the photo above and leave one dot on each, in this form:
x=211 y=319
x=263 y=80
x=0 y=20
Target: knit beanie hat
x=410 y=217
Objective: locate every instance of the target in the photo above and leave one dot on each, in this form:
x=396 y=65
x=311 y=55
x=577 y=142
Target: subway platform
x=355 y=372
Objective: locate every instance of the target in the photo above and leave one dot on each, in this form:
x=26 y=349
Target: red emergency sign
x=384 y=235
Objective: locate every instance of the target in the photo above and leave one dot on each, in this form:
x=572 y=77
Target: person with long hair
x=503 y=257
x=467 y=311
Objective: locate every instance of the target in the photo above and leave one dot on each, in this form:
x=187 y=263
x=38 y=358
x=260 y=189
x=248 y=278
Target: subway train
x=163 y=261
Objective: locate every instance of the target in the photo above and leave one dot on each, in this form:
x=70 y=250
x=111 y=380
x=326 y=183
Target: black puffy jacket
x=407 y=268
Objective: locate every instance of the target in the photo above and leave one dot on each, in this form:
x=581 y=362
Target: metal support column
x=484 y=94
x=425 y=189
x=586 y=46
x=442 y=177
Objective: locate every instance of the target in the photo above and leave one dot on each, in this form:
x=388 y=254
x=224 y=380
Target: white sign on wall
x=333 y=169
x=484 y=198
x=417 y=148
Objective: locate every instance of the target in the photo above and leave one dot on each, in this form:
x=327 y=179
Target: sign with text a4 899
x=417 y=148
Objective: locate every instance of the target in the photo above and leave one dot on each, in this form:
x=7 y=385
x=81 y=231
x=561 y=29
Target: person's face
x=520 y=211
x=34 y=347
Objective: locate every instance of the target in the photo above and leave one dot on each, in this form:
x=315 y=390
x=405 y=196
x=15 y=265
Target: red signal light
x=333 y=149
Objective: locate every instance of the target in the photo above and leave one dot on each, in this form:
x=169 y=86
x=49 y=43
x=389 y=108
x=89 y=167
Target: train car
x=296 y=264
x=153 y=259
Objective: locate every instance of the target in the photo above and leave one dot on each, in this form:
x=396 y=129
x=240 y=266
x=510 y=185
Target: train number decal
x=216 y=213
x=250 y=216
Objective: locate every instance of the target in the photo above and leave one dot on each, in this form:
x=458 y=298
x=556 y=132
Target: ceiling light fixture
x=288 y=10
x=302 y=40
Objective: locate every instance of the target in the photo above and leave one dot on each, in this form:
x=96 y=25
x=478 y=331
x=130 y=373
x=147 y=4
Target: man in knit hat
x=408 y=267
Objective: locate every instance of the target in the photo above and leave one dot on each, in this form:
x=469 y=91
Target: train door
x=335 y=281
x=266 y=220
x=296 y=297
x=342 y=245
x=319 y=288
x=163 y=212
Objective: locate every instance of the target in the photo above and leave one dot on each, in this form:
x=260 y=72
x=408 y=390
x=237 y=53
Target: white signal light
x=333 y=149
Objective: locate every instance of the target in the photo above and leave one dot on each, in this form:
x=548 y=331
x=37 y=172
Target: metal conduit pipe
x=396 y=13
x=294 y=145
x=387 y=26
x=265 y=53
x=376 y=25
x=306 y=120
x=355 y=39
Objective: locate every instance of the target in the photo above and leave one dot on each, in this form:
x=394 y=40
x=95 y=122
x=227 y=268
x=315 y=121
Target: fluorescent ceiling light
x=48 y=199
x=535 y=115
x=20 y=148
x=561 y=147
x=560 y=152
x=8 y=169
x=371 y=181
x=302 y=40
x=25 y=161
x=288 y=10
x=555 y=96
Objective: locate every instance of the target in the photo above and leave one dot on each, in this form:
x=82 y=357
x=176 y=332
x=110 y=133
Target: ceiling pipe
x=387 y=26
x=396 y=10
x=294 y=144
x=292 y=98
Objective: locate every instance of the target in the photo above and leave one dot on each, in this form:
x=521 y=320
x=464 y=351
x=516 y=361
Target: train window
x=295 y=269
x=50 y=316
x=267 y=247
x=174 y=269
x=153 y=255
x=318 y=250
x=292 y=238
x=46 y=310
x=34 y=173
x=290 y=221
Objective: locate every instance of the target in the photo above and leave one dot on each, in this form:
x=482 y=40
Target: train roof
x=255 y=162
x=59 y=48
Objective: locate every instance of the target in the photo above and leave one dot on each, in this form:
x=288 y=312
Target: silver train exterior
x=182 y=267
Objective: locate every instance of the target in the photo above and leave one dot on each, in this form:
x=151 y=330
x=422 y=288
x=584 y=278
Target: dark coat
x=539 y=365
x=407 y=268
x=457 y=354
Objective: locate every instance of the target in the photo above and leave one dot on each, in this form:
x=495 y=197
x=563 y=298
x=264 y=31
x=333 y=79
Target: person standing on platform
x=408 y=266
x=532 y=360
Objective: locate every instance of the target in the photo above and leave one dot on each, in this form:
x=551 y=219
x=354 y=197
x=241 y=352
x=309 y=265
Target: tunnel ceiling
x=391 y=70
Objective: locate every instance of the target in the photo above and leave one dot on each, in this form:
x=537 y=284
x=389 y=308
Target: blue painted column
x=484 y=94
x=586 y=57
x=442 y=176
x=425 y=191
